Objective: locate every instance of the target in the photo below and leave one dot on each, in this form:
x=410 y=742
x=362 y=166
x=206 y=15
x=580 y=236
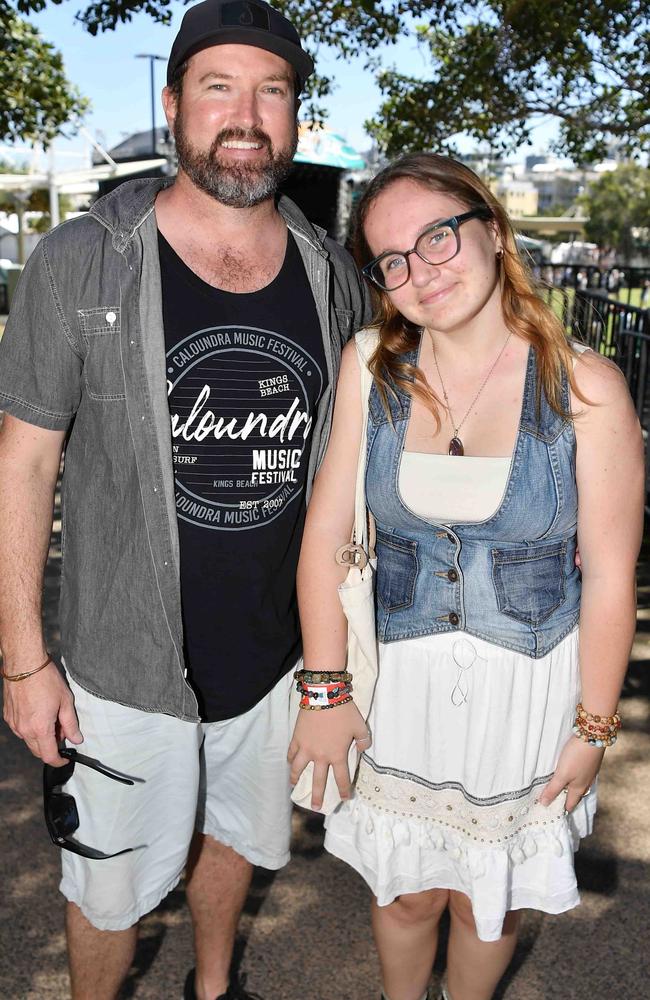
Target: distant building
x=557 y=187
x=532 y=161
x=138 y=147
x=519 y=198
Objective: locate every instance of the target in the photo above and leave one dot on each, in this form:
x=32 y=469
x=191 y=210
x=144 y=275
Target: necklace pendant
x=456 y=446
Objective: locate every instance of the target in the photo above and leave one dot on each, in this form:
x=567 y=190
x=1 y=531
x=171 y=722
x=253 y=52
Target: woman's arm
x=324 y=737
x=610 y=477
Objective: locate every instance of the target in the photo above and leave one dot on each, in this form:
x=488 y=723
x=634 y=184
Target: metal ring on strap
x=352 y=555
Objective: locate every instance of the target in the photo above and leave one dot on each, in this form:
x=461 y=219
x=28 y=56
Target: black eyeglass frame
x=480 y=212
x=60 y=825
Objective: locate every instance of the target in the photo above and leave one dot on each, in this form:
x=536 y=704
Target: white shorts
x=227 y=779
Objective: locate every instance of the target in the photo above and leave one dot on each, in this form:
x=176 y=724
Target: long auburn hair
x=524 y=312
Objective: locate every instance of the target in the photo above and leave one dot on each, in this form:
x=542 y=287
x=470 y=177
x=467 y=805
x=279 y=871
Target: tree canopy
x=37 y=98
x=493 y=68
x=618 y=206
x=496 y=67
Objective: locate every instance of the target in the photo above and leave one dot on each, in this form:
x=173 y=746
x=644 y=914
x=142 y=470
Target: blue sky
x=105 y=69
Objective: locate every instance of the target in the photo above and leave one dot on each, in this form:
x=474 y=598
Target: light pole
x=152 y=59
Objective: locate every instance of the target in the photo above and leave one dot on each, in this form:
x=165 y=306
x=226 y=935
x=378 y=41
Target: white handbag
x=357 y=599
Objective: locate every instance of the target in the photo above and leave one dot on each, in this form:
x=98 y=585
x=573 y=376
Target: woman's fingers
x=342 y=776
x=363 y=740
x=318 y=784
x=298 y=763
x=574 y=794
x=556 y=785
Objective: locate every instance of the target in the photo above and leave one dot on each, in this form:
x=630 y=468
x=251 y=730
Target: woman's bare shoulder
x=598 y=379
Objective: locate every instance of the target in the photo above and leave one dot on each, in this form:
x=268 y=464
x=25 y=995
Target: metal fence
x=620 y=332
x=617 y=330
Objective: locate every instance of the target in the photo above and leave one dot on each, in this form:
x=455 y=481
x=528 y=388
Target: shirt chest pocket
x=102 y=374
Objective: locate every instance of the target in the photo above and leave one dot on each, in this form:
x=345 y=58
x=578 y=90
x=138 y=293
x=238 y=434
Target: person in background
x=494 y=446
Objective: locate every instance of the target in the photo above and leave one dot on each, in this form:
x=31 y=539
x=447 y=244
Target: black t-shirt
x=244 y=375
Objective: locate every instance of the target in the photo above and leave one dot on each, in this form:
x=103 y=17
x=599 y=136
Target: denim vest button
x=453 y=618
x=452 y=575
x=451 y=537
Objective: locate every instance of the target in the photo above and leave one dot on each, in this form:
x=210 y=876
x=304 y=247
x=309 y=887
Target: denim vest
x=510 y=579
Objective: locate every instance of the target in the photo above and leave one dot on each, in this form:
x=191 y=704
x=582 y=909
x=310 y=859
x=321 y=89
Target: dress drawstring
x=465 y=656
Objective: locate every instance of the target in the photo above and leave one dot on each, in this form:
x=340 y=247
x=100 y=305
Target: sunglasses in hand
x=61 y=816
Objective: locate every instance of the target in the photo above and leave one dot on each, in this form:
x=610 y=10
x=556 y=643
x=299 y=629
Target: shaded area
x=305 y=933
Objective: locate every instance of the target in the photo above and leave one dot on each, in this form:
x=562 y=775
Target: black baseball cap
x=242 y=22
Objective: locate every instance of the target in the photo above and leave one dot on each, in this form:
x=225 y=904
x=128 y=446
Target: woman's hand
x=576 y=769
x=325 y=737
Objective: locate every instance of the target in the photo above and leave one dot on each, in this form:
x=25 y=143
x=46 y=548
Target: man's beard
x=239 y=185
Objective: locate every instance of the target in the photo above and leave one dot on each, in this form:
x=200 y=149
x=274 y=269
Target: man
x=203 y=302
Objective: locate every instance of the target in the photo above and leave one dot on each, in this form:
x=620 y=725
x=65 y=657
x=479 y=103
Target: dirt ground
x=306 y=931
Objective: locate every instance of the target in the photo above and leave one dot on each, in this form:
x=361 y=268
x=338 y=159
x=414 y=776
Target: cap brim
x=300 y=60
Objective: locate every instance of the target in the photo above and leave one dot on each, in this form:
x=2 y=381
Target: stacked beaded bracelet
x=322 y=676
x=323 y=689
x=596 y=730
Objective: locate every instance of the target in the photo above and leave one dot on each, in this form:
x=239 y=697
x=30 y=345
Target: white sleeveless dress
x=465 y=736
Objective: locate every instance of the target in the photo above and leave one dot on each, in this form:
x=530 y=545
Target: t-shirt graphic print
x=245 y=373
x=241 y=401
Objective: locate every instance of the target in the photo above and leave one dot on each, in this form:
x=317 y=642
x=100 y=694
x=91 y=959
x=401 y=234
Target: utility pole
x=53 y=189
x=152 y=59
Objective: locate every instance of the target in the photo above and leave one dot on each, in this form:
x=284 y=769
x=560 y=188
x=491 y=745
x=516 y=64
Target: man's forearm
x=26 y=501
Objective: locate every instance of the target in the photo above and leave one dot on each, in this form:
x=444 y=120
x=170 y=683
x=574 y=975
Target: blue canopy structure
x=320 y=146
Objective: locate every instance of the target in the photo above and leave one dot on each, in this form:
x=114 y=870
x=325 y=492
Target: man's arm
x=39 y=709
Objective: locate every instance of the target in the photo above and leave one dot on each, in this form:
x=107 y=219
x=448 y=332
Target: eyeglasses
x=61 y=816
x=436 y=245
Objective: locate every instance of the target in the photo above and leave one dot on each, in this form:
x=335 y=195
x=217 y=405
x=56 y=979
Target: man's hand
x=40 y=710
x=325 y=738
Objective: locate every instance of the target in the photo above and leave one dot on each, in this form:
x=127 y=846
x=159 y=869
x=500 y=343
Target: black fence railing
x=620 y=332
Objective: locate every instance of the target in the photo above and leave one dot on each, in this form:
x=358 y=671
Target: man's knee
x=206 y=850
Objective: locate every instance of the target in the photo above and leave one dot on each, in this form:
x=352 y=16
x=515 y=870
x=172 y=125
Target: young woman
x=494 y=446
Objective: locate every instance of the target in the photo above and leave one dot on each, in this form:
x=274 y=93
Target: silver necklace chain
x=481 y=387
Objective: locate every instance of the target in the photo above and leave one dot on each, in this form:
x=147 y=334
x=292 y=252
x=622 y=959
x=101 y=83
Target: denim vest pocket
x=529 y=581
x=102 y=373
x=397 y=570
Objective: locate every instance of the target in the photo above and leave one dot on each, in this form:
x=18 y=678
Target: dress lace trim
x=514 y=819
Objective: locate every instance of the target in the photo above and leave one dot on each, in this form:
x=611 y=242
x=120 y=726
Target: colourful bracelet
x=327 y=695
x=323 y=708
x=596 y=730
